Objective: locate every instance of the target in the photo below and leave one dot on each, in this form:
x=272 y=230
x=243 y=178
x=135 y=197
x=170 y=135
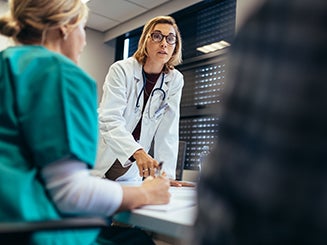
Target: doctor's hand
x=146 y=164
x=178 y=183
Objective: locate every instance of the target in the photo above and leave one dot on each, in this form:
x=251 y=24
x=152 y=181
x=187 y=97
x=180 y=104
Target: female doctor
x=140 y=104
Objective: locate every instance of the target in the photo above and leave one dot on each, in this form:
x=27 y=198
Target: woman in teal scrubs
x=48 y=126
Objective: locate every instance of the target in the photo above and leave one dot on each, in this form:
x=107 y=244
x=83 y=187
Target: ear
x=64 y=32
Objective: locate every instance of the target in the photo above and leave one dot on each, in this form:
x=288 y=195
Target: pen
x=158 y=170
x=160 y=109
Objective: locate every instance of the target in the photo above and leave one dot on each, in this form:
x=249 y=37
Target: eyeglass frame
x=163 y=36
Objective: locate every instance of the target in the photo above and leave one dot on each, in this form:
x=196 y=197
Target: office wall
x=97 y=57
x=4 y=42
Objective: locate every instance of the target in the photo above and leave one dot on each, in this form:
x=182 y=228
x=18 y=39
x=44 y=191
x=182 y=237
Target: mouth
x=162 y=52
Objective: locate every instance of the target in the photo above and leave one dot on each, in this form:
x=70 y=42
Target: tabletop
x=175 y=219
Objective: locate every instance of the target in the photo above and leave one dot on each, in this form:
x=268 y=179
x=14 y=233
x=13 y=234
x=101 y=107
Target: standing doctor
x=140 y=104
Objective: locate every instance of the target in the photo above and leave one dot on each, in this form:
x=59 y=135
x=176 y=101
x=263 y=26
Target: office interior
x=201 y=22
x=110 y=38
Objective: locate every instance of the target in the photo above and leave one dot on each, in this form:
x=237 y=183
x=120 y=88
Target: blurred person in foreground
x=266 y=180
x=48 y=129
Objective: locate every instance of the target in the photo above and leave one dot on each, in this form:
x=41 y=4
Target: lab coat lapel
x=166 y=83
x=138 y=79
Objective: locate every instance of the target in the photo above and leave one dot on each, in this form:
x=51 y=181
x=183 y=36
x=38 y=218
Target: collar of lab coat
x=138 y=78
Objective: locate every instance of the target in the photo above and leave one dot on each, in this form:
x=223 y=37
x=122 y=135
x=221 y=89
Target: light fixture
x=85 y=1
x=213 y=46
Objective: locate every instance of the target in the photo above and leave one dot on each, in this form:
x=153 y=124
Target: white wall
x=97 y=57
x=4 y=41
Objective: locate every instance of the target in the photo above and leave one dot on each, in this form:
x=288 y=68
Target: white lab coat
x=118 y=116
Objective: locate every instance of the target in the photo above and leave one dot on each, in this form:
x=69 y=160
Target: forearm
x=152 y=191
x=133 y=197
x=75 y=191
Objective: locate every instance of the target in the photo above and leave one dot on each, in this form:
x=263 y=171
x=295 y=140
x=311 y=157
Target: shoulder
x=128 y=68
x=129 y=63
x=175 y=74
x=35 y=64
x=176 y=77
x=38 y=59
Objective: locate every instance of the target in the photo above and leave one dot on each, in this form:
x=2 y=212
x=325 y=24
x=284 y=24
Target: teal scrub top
x=47 y=113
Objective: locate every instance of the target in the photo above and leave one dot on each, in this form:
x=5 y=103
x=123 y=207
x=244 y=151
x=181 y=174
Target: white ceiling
x=116 y=17
x=106 y=14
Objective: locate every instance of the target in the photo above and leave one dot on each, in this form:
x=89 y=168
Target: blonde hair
x=29 y=20
x=141 y=53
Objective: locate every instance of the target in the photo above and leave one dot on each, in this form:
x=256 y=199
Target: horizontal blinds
x=202 y=92
x=204 y=74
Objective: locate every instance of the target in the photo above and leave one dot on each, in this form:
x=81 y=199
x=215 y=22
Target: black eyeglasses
x=158 y=37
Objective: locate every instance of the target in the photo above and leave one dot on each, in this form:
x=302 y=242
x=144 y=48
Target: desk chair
x=19 y=232
x=180 y=160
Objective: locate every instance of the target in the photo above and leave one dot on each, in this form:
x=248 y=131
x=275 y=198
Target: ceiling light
x=213 y=47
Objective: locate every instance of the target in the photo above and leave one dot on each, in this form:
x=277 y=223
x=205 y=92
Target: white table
x=175 y=223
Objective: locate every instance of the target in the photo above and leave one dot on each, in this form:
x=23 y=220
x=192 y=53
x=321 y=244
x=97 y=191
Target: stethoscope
x=154 y=90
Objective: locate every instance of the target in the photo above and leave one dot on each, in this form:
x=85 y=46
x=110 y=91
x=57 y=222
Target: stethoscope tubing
x=154 y=90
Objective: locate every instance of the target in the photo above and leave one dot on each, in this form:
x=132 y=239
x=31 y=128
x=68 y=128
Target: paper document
x=181 y=197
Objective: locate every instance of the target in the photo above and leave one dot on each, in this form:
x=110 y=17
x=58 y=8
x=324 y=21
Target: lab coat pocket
x=161 y=111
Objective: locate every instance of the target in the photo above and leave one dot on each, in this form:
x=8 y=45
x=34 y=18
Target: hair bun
x=8 y=26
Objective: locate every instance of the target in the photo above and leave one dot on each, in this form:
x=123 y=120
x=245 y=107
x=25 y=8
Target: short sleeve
x=57 y=111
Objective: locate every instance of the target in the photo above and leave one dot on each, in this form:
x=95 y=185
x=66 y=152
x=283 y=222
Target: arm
x=114 y=129
x=152 y=191
x=75 y=191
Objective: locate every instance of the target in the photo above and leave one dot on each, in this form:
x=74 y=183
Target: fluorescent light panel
x=213 y=47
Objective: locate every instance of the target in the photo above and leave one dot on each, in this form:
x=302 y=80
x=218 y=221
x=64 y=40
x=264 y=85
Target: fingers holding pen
x=157 y=189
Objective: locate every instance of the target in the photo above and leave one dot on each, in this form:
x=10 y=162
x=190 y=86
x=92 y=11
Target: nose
x=164 y=42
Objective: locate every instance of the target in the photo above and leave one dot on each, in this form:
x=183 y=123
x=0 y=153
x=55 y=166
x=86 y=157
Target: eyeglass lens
x=157 y=37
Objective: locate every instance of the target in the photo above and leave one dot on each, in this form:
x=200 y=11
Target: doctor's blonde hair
x=141 y=53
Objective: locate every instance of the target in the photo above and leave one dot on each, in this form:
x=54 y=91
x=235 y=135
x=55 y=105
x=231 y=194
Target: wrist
x=145 y=196
x=137 y=153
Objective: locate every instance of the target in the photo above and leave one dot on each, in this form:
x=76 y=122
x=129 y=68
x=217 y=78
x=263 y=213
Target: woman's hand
x=146 y=164
x=152 y=191
x=156 y=189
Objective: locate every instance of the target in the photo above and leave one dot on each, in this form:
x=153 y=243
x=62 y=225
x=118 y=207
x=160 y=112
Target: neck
x=152 y=68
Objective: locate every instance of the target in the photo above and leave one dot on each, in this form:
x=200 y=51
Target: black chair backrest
x=180 y=160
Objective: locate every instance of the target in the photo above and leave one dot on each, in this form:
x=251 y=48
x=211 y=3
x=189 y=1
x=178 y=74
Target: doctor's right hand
x=145 y=163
